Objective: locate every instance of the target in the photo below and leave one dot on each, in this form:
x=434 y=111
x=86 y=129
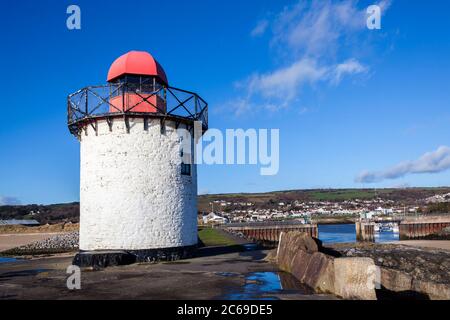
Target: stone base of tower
x=108 y=258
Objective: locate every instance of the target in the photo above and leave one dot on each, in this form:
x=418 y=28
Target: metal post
x=87 y=93
x=165 y=99
x=195 y=106
x=123 y=97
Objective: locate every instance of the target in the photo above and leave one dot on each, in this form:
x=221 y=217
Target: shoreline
x=431 y=244
x=14 y=240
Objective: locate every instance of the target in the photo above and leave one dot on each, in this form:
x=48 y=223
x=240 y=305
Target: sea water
x=338 y=233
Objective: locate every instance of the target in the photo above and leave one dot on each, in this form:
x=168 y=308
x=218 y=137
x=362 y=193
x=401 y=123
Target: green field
x=61 y=213
x=403 y=196
x=342 y=195
x=214 y=237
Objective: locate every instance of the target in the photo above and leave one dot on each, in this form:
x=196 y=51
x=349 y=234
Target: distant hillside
x=54 y=213
x=403 y=196
x=66 y=212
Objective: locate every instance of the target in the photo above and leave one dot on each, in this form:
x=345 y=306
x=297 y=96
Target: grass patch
x=214 y=237
x=341 y=195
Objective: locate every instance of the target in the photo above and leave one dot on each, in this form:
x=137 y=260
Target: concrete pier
x=269 y=233
x=365 y=231
x=422 y=227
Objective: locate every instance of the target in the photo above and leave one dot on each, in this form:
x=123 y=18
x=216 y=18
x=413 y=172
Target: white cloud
x=313 y=39
x=5 y=201
x=279 y=88
x=284 y=82
x=303 y=110
x=431 y=162
x=314 y=28
x=349 y=67
x=384 y=5
x=260 y=28
x=318 y=28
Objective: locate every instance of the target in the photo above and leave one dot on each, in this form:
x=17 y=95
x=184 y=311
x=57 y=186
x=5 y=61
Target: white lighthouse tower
x=138 y=180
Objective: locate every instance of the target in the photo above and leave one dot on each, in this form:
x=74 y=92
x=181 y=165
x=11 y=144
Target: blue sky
x=355 y=107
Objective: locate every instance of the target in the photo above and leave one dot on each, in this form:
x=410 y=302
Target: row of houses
x=253 y=215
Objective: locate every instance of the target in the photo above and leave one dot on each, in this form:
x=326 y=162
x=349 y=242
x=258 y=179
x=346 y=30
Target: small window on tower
x=186 y=156
x=185 y=169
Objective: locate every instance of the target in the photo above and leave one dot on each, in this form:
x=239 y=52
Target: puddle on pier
x=227 y=274
x=6 y=259
x=265 y=286
x=250 y=246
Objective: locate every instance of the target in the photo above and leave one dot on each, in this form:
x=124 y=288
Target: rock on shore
x=63 y=242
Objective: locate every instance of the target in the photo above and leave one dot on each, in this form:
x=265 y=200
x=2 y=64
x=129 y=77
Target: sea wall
x=423 y=228
x=365 y=271
x=348 y=278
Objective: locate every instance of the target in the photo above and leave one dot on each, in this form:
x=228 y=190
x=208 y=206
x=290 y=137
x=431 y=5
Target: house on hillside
x=213 y=218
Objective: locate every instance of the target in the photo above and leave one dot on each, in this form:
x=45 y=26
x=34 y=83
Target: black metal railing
x=113 y=100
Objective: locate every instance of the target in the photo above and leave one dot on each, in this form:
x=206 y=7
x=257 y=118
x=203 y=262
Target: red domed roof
x=136 y=63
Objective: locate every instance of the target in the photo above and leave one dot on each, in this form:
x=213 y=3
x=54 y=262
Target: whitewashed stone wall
x=132 y=193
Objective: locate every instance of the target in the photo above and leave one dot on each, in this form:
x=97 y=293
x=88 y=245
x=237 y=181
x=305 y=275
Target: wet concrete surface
x=234 y=272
